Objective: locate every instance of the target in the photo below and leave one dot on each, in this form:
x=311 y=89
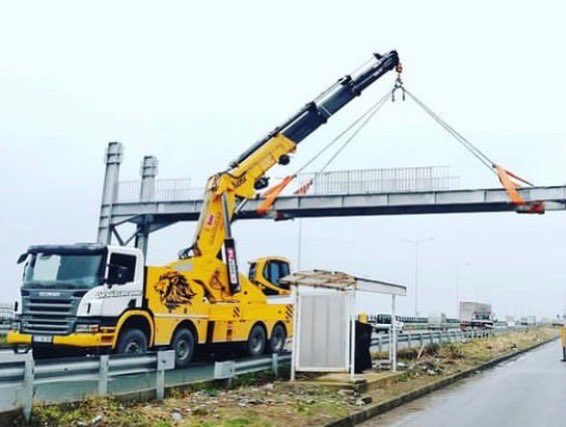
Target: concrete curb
x=382 y=407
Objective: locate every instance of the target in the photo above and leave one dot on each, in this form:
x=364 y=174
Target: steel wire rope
x=367 y=115
x=476 y=152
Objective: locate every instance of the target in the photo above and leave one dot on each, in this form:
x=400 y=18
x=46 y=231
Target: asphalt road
x=527 y=391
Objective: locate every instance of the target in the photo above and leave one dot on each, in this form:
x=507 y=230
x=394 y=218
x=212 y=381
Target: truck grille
x=49 y=316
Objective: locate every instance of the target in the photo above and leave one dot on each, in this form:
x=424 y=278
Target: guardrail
x=435 y=337
x=21 y=380
x=4 y=328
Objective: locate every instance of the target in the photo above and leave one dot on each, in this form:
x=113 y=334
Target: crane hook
x=398 y=83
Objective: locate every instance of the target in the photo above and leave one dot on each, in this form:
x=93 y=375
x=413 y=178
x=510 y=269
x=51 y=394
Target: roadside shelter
x=325 y=315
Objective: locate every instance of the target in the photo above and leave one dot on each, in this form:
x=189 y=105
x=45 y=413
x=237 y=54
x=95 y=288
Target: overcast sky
x=195 y=83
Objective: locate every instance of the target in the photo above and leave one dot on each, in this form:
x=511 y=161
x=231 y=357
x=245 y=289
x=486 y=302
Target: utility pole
x=416 y=244
x=300 y=244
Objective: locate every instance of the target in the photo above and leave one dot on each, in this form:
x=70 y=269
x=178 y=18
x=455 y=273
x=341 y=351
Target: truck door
x=124 y=287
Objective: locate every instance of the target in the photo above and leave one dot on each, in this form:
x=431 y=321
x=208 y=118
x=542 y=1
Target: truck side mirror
x=22 y=257
x=117 y=274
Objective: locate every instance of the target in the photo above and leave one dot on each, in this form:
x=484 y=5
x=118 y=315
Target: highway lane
x=527 y=391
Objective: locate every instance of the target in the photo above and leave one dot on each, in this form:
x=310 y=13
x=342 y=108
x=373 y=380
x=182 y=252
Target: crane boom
x=225 y=190
x=316 y=113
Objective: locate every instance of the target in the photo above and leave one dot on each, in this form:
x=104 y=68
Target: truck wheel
x=277 y=341
x=184 y=347
x=256 y=342
x=133 y=341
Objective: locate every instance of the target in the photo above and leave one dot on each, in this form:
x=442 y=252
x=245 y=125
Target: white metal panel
x=380 y=287
x=323 y=332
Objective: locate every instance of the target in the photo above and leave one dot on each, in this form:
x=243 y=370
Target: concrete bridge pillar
x=109 y=191
x=148 y=172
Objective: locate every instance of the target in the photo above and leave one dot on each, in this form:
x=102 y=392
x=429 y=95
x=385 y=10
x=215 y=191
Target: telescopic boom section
x=317 y=112
x=247 y=173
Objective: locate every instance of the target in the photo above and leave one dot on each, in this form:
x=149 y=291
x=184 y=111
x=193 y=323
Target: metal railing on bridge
x=390 y=180
x=344 y=182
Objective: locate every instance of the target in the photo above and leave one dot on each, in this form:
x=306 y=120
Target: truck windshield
x=69 y=270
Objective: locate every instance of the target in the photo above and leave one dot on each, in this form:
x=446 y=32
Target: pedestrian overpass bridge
x=151 y=204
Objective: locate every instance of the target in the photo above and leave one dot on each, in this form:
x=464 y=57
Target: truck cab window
x=127 y=261
x=283 y=271
x=252 y=272
x=274 y=273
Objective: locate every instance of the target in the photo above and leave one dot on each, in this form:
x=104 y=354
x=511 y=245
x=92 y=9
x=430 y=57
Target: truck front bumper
x=80 y=340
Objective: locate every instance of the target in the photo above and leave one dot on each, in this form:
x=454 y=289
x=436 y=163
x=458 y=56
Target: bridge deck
x=425 y=202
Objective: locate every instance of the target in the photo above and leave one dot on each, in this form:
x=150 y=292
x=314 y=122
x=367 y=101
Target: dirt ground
x=260 y=400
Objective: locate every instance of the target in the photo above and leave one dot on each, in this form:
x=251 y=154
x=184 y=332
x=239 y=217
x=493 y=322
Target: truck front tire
x=132 y=341
x=184 y=346
x=256 y=342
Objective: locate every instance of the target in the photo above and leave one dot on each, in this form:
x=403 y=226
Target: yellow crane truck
x=101 y=298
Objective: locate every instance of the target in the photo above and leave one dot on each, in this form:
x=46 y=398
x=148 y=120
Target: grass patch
x=95 y=411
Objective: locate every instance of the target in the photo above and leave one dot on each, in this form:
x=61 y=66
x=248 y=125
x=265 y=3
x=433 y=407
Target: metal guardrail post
x=103 y=375
x=225 y=371
x=165 y=361
x=409 y=340
x=421 y=339
x=275 y=364
x=27 y=391
x=160 y=383
x=379 y=345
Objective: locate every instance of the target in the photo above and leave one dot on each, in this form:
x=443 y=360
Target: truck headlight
x=87 y=328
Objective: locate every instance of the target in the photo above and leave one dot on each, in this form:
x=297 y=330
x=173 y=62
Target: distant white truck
x=529 y=321
x=475 y=315
x=381 y=323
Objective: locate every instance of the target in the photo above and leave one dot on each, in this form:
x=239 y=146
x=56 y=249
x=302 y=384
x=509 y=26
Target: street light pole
x=416 y=243
x=300 y=245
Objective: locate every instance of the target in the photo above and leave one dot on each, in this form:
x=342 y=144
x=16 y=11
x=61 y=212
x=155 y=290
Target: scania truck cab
x=73 y=296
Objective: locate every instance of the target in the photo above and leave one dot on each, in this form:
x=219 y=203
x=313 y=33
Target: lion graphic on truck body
x=174 y=290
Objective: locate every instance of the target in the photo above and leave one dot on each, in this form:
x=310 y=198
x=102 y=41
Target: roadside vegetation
x=262 y=401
